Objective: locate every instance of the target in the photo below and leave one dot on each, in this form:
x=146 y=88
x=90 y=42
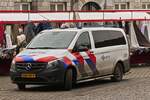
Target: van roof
x=84 y=29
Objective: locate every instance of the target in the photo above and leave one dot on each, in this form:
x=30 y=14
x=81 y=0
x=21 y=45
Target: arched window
x=91 y=6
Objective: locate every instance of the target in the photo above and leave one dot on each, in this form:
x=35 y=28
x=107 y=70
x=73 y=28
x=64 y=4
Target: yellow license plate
x=28 y=75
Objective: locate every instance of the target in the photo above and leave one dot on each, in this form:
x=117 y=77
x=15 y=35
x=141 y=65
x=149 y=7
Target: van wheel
x=21 y=86
x=118 y=73
x=68 y=80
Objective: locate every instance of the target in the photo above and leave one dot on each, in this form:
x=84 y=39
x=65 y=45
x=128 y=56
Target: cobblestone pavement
x=135 y=86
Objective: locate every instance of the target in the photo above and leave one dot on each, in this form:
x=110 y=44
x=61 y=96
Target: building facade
x=63 y=5
x=131 y=4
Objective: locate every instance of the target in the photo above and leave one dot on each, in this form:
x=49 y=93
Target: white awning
x=96 y=16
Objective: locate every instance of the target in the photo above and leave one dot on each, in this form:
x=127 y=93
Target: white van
x=67 y=56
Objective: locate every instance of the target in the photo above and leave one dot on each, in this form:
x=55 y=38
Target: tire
x=21 y=86
x=68 y=80
x=118 y=73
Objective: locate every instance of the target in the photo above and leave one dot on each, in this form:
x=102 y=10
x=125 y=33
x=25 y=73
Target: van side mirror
x=82 y=48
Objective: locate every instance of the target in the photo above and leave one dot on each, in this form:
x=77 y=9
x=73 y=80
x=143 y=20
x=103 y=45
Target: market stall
x=15 y=24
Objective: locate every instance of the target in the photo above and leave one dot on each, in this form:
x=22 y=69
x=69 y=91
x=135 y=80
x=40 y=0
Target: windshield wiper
x=31 y=48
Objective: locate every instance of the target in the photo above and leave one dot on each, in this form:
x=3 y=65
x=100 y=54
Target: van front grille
x=30 y=66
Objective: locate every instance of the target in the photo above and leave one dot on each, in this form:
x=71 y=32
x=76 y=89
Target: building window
x=143 y=6
x=116 y=6
x=91 y=6
x=57 y=6
x=121 y=6
x=60 y=7
x=25 y=6
x=52 y=7
x=146 y=6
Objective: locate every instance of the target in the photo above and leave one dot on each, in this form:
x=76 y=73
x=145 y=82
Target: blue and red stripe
x=24 y=58
x=91 y=61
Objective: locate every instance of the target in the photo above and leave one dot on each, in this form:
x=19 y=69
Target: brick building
x=62 y=5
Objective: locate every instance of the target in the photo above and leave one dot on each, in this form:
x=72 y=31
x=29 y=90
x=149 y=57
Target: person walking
x=21 y=40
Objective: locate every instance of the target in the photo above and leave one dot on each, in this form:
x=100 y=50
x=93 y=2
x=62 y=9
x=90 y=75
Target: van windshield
x=52 y=40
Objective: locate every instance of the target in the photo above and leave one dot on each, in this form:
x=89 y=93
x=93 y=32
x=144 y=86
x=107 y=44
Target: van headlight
x=52 y=64
x=13 y=66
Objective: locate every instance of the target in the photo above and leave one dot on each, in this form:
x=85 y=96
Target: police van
x=69 y=56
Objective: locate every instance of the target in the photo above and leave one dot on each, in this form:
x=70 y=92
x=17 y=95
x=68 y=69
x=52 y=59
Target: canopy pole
x=28 y=16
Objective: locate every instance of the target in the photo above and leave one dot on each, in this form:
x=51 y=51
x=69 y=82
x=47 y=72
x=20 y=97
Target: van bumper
x=47 y=76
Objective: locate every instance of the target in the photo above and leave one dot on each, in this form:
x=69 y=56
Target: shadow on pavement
x=140 y=66
x=58 y=88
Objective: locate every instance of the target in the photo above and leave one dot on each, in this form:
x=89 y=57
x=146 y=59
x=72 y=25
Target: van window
x=104 y=38
x=83 y=39
x=52 y=40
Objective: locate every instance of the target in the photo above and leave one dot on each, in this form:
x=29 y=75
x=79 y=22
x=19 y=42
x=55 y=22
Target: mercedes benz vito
x=69 y=56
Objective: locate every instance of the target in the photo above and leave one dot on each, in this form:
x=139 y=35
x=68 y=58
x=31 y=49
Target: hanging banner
x=1 y=34
x=134 y=42
x=8 y=41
